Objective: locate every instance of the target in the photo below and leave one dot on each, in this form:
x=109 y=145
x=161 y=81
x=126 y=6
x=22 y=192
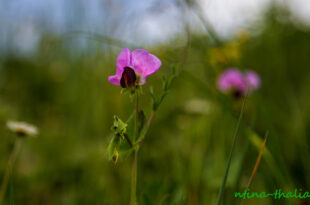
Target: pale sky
x=226 y=16
x=137 y=21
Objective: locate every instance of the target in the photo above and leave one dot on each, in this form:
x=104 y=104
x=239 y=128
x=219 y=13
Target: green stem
x=12 y=159
x=135 y=159
x=137 y=114
x=128 y=140
x=220 y=197
x=149 y=122
x=134 y=179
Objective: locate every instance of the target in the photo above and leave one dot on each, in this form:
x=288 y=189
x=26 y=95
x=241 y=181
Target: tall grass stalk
x=8 y=171
x=261 y=151
x=221 y=192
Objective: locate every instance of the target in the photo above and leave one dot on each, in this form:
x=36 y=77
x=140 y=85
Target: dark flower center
x=21 y=133
x=128 y=78
x=237 y=94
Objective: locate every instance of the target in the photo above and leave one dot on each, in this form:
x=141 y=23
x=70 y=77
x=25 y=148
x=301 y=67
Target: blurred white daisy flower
x=22 y=129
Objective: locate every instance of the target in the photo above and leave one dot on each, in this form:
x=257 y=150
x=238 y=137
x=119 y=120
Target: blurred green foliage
x=183 y=157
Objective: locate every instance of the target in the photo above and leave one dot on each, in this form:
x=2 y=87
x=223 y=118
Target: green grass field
x=182 y=160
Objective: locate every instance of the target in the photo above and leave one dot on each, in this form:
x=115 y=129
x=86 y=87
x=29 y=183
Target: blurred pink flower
x=232 y=80
x=133 y=67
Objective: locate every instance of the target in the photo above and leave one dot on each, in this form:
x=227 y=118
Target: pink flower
x=133 y=68
x=232 y=80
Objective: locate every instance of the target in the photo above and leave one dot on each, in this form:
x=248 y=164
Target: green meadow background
x=66 y=94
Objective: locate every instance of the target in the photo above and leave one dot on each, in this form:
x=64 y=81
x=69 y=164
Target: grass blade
x=261 y=151
x=258 y=160
x=221 y=192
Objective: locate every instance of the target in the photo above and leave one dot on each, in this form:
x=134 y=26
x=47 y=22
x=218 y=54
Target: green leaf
x=113 y=146
x=119 y=126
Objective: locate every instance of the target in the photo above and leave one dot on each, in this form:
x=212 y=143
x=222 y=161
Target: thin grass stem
x=221 y=192
x=8 y=171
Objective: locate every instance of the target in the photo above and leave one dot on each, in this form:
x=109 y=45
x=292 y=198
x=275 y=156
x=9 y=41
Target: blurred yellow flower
x=230 y=52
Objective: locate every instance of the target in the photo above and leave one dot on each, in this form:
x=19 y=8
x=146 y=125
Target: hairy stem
x=11 y=162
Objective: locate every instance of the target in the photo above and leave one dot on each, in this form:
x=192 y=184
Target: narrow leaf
x=113 y=145
x=118 y=125
x=221 y=192
x=258 y=160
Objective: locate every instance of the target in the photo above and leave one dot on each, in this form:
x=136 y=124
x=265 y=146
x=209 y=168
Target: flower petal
x=123 y=60
x=145 y=63
x=252 y=79
x=142 y=80
x=115 y=79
